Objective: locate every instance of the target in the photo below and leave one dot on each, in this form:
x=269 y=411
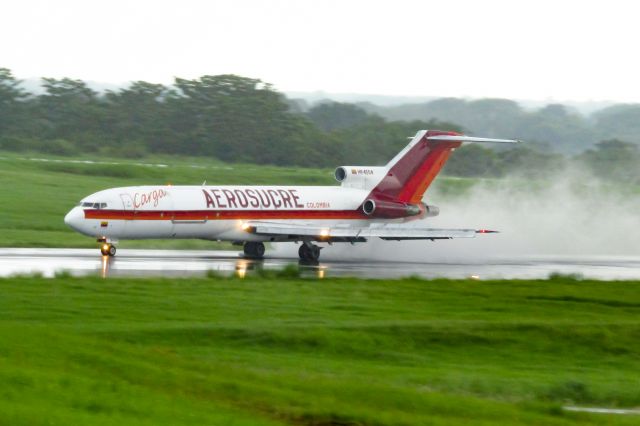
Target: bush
x=16 y=144
x=559 y=276
x=58 y=147
x=118 y=171
x=290 y=271
x=572 y=390
x=131 y=150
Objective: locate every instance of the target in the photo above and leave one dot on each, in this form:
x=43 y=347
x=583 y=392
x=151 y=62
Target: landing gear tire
x=108 y=250
x=309 y=253
x=254 y=249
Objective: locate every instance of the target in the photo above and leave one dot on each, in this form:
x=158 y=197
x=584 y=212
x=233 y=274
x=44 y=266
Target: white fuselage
x=212 y=212
x=389 y=195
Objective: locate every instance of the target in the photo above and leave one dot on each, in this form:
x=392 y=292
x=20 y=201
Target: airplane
x=371 y=202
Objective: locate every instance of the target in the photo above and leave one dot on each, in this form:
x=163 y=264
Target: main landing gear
x=108 y=249
x=254 y=249
x=309 y=252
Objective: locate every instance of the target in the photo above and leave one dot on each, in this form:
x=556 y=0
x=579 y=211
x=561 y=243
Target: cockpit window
x=96 y=206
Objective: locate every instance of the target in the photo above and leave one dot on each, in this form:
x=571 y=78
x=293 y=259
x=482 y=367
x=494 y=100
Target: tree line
x=553 y=127
x=239 y=119
x=227 y=117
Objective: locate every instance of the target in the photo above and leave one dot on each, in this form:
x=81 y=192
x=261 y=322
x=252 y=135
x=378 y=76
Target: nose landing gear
x=107 y=248
x=254 y=249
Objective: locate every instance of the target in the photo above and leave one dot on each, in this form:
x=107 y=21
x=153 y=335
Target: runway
x=180 y=263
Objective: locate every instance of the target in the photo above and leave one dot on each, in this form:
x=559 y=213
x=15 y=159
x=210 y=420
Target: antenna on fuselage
x=204 y=183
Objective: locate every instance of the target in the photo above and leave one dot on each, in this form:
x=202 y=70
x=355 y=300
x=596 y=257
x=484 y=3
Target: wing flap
x=346 y=232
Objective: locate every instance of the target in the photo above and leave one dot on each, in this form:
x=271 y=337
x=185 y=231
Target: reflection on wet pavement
x=174 y=263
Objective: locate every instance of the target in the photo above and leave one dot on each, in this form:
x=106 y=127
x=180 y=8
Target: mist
x=569 y=214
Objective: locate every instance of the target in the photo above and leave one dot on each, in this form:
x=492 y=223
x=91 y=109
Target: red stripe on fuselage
x=222 y=214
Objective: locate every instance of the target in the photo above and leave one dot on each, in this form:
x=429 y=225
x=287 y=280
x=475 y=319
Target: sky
x=537 y=50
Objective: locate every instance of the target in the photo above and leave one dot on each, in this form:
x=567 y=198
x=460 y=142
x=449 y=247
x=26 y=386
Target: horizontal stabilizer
x=455 y=138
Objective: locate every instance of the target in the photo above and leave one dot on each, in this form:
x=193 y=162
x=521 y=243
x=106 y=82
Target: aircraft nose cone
x=72 y=219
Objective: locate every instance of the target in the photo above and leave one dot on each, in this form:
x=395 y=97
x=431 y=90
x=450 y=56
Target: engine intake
x=340 y=174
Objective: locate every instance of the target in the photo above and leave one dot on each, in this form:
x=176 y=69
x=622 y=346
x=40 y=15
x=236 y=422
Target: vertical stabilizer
x=410 y=173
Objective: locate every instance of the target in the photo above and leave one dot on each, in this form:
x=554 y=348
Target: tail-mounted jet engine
x=359 y=176
x=396 y=210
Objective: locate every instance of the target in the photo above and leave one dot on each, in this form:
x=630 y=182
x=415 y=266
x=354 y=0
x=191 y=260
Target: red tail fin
x=411 y=172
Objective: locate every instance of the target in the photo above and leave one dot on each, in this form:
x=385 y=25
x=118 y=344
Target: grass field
x=269 y=351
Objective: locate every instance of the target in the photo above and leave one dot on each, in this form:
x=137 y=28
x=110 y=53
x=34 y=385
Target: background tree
x=330 y=116
x=614 y=160
x=376 y=141
x=553 y=127
x=239 y=119
x=70 y=110
x=618 y=122
x=473 y=161
x=12 y=97
x=137 y=117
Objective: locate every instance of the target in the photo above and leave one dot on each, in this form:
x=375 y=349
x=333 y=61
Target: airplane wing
x=349 y=233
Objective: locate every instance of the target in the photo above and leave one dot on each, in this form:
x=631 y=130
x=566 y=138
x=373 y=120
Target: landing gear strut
x=108 y=249
x=254 y=249
x=309 y=252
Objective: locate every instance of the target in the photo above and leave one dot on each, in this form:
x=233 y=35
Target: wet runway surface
x=175 y=263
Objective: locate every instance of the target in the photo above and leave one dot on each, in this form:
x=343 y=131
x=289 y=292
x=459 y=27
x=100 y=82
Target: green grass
x=341 y=351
